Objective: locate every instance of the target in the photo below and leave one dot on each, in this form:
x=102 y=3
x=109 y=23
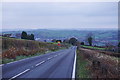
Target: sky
x=59 y=15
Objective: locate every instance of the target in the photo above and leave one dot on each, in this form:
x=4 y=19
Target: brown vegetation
x=110 y=53
x=17 y=47
x=101 y=65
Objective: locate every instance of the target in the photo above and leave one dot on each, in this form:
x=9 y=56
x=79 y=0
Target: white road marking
x=55 y=55
x=39 y=63
x=1 y=64
x=74 y=67
x=50 y=58
x=26 y=69
x=19 y=74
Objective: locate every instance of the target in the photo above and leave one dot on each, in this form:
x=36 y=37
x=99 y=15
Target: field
x=102 y=50
x=92 y=47
x=16 y=49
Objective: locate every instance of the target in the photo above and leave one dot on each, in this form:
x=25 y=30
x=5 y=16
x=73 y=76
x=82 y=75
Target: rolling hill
x=101 y=37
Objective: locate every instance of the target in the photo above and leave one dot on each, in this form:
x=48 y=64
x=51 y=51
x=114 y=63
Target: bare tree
x=90 y=38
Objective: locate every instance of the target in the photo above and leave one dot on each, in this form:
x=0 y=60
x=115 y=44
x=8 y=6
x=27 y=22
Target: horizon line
x=1 y=30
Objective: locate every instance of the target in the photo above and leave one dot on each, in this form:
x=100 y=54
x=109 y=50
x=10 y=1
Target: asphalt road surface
x=59 y=64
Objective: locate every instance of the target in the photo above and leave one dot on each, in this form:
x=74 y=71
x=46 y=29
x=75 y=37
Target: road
x=59 y=64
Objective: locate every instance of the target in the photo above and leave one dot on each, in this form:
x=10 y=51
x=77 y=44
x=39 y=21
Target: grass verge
x=7 y=60
x=82 y=71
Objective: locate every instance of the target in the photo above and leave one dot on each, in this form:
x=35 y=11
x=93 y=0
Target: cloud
x=60 y=15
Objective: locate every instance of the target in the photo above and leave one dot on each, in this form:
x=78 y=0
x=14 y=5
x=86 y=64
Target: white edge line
x=19 y=74
x=74 y=67
x=1 y=64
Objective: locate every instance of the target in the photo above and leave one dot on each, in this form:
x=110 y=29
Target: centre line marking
x=19 y=74
x=39 y=63
x=55 y=55
x=50 y=58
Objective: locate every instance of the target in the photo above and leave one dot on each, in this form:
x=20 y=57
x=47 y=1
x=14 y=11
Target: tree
x=73 y=41
x=45 y=41
x=90 y=40
x=82 y=43
x=24 y=35
x=65 y=41
x=32 y=37
x=119 y=44
x=59 y=41
x=119 y=47
x=54 y=40
x=28 y=37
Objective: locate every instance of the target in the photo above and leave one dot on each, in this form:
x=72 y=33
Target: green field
x=91 y=47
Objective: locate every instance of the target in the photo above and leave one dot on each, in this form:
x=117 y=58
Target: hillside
x=101 y=37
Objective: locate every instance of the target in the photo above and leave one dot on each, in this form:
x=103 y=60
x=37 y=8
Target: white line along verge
x=19 y=74
x=74 y=67
x=1 y=64
x=39 y=63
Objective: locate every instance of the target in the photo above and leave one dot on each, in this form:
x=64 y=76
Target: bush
x=26 y=36
x=82 y=43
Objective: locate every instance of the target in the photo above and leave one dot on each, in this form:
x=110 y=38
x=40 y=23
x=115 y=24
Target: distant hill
x=101 y=36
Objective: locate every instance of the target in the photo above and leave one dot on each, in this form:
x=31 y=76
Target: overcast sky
x=41 y=15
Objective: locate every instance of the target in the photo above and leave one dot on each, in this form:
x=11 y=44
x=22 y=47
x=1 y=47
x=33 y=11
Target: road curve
x=57 y=64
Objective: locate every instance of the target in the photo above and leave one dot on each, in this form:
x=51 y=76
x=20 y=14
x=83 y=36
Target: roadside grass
x=91 y=47
x=82 y=71
x=7 y=60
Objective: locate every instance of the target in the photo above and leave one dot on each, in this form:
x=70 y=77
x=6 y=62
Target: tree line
x=24 y=35
x=72 y=40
